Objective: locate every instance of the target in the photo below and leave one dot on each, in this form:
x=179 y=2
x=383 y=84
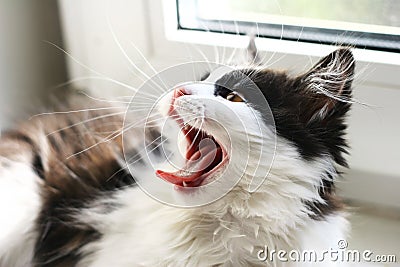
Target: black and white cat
x=87 y=209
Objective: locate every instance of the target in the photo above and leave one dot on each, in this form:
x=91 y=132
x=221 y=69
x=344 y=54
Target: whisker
x=70 y=111
x=123 y=50
x=230 y=59
x=216 y=51
x=85 y=121
x=83 y=78
x=128 y=58
x=103 y=99
x=115 y=173
x=275 y=61
x=80 y=64
x=145 y=120
x=135 y=90
x=144 y=149
x=191 y=60
x=203 y=56
x=125 y=128
x=100 y=77
x=223 y=48
x=106 y=139
x=280 y=38
x=149 y=64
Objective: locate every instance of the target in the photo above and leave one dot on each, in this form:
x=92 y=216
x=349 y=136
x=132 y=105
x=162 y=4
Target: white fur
x=19 y=205
x=230 y=231
x=227 y=232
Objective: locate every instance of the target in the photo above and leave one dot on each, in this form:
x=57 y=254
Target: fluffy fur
x=85 y=210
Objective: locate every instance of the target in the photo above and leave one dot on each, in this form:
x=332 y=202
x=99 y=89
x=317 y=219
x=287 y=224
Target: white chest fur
x=148 y=233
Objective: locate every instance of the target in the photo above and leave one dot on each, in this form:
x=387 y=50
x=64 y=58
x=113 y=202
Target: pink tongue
x=194 y=168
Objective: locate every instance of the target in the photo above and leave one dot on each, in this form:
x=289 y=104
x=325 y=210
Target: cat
x=68 y=198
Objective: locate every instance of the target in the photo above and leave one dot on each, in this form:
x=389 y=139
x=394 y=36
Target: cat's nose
x=166 y=105
x=180 y=91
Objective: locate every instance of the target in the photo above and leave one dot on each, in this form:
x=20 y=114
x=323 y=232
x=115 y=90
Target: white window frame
x=381 y=60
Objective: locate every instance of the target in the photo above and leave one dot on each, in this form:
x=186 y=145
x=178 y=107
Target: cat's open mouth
x=204 y=157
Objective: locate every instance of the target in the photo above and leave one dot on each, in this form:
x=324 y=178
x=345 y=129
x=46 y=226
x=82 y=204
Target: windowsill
x=278 y=46
x=375 y=232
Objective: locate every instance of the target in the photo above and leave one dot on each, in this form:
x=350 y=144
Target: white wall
x=28 y=66
x=97 y=31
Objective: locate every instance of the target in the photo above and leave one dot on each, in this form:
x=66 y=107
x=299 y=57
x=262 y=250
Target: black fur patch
x=18 y=136
x=37 y=165
x=295 y=106
x=62 y=235
x=331 y=202
x=309 y=119
x=73 y=183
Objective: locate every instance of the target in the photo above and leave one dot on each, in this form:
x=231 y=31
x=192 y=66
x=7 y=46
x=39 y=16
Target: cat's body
x=68 y=202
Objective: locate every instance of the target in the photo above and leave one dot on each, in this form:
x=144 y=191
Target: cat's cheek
x=191 y=108
x=229 y=115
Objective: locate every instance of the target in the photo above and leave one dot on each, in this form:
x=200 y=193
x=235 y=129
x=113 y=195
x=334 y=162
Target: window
x=370 y=24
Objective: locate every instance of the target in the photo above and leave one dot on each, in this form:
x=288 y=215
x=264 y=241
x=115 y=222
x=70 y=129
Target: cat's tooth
x=184 y=184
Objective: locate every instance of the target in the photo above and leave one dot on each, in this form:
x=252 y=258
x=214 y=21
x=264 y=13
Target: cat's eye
x=234 y=97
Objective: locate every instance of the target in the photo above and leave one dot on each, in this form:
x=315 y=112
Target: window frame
x=189 y=20
x=210 y=35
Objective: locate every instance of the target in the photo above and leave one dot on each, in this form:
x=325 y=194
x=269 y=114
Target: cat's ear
x=327 y=84
x=252 y=52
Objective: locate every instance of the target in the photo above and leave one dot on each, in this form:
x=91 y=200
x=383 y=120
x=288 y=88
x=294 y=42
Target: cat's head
x=243 y=123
